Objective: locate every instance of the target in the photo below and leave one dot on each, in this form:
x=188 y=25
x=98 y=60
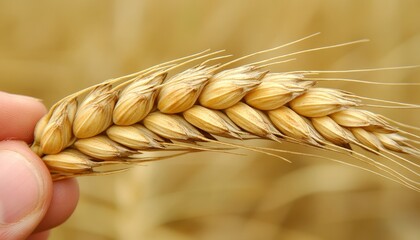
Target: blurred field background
x=49 y=49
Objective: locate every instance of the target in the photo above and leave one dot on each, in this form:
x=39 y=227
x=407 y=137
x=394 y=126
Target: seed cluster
x=152 y=112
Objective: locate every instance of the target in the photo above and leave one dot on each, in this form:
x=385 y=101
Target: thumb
x=25 y=190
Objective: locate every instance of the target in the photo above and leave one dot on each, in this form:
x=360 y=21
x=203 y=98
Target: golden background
x=49 y=49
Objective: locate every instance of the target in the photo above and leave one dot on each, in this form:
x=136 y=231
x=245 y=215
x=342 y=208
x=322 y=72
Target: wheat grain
x=121 y=120
x=137 y=100
x=212 y=121
x=135 y=136
x=253 y=121
x=319 y=102
x=70 y=161
x=360 y=118
x=294 y=126
x=277 y=89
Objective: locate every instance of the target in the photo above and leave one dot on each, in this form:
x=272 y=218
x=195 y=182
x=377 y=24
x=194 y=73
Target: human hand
x=30 y=202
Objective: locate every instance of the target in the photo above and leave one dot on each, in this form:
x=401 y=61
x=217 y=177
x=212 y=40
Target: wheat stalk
x=150 y=115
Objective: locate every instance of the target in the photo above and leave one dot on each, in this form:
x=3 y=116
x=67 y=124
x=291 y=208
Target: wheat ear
x=150 y=115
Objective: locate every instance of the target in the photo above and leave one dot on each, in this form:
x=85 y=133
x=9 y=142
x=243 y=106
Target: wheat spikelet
x=151 y=115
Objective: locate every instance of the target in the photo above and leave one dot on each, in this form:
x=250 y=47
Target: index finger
x=18 y=116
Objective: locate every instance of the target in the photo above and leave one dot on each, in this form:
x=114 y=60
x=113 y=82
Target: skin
x=47 y=203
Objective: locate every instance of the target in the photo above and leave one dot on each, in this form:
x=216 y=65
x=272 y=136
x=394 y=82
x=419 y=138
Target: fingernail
x=20 y=189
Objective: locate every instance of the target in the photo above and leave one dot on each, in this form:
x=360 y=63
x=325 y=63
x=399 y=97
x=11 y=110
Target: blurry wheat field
x=49 y=49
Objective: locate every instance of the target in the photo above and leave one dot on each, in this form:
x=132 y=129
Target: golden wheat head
x=156 y=114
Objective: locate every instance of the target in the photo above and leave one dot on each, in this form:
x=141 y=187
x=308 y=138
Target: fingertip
x=26 y=189
x=20 y=114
